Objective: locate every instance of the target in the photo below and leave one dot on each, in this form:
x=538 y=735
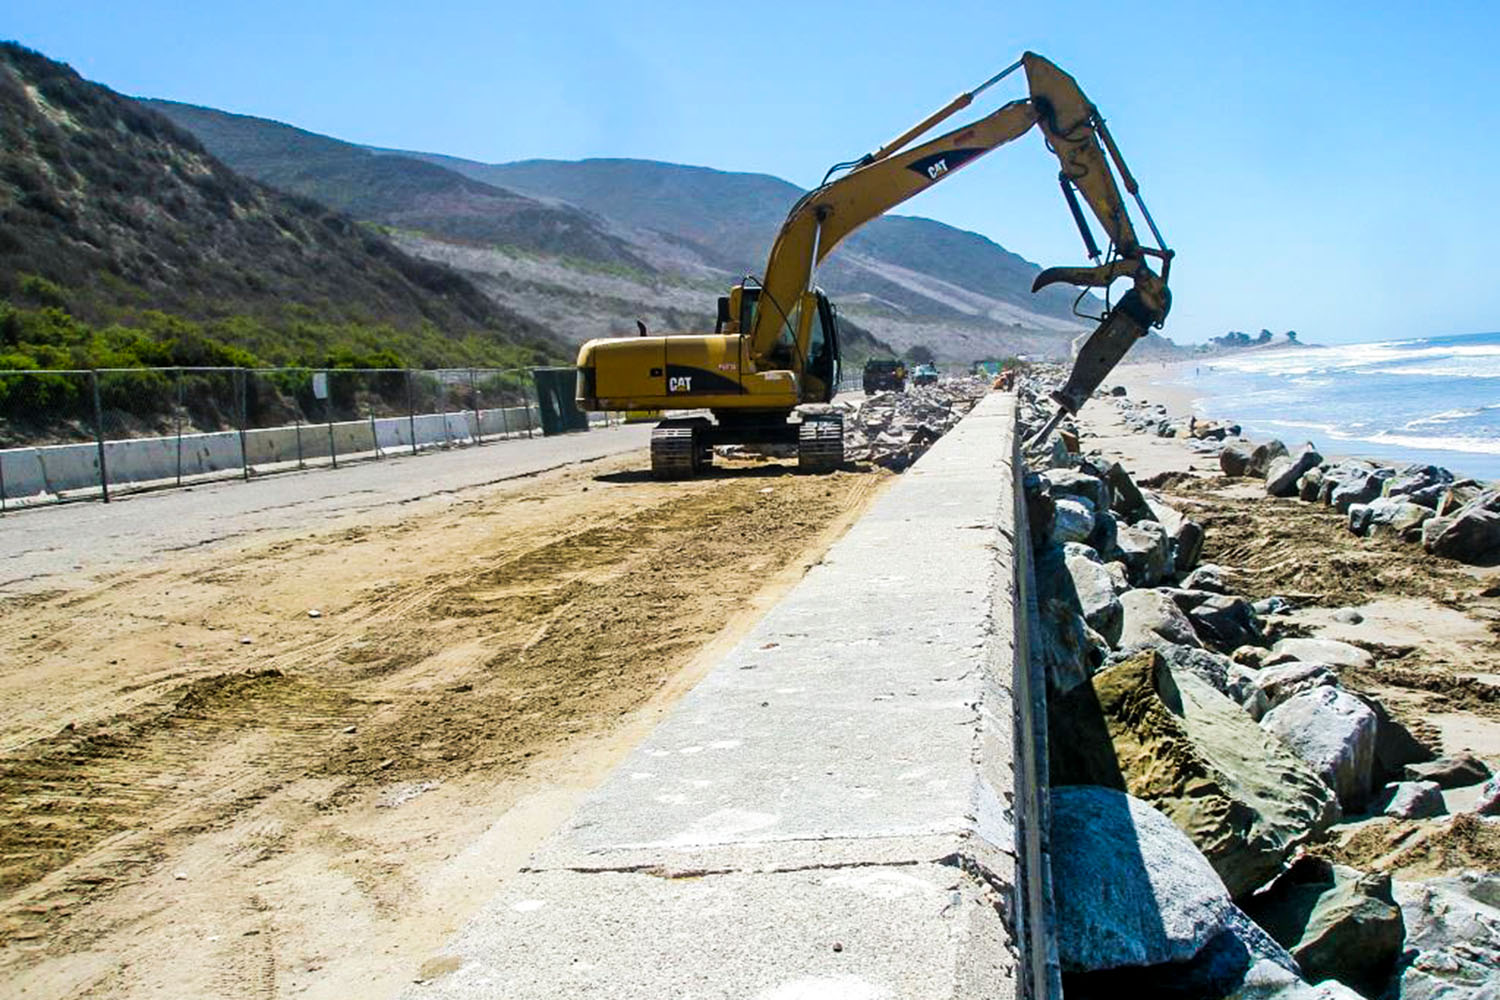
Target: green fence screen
x=554 y=395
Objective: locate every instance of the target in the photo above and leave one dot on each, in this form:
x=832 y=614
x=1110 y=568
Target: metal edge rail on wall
x=1041 y=974
x=74 y=399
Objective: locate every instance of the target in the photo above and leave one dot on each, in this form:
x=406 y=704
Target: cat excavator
x=773 y=357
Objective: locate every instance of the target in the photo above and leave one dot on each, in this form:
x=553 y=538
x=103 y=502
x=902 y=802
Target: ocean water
x=1432 y=400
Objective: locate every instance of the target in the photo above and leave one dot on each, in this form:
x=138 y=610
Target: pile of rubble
x=1427 y=504
x=1456 y=518
x=893 y=429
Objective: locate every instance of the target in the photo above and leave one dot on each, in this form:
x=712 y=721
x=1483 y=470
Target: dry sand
x=1432 y=625
x=207 y=791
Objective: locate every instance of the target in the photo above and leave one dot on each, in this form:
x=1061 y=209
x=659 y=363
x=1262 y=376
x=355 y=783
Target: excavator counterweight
x=774 y=354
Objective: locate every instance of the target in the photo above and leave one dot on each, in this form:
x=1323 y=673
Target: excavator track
x=820 y=443
x=674 y=452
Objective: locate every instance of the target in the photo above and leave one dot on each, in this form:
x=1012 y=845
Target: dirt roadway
x=206 y=791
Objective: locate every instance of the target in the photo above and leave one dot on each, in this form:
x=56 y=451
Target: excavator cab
x=737 y=310
x=821 y=378
x=820 y=370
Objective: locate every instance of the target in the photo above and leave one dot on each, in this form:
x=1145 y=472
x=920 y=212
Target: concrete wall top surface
x=828 y=813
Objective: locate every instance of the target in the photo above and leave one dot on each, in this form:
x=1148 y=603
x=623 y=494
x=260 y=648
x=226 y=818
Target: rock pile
x=1173 y=695
x=1459 y=519
x=893 y=429
x=1206 y=436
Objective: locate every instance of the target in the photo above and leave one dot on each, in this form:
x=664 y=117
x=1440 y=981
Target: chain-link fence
x=68 y=435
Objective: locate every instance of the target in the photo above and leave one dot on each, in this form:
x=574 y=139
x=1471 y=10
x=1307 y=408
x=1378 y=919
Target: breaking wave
x=1432 y=399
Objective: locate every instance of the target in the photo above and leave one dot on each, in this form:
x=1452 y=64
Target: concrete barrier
x=842 y=808
x=59 y=470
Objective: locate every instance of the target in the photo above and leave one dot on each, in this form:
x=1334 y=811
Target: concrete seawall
x=850 y=805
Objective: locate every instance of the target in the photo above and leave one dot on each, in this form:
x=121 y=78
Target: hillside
x=587 y=248
x=398 y=191
x=113 y=213
x=906 y=265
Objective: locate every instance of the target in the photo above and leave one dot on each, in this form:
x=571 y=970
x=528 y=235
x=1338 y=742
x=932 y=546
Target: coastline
x=1168 y=384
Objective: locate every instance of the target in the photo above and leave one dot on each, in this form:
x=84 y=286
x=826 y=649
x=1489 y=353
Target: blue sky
x=1321 y=167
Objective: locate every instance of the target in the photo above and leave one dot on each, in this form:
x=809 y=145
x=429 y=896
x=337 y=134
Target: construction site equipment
x=884 y=375
x=559 y=411
x=774 y=352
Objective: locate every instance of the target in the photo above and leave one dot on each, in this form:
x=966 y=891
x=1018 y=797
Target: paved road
x=41 y=547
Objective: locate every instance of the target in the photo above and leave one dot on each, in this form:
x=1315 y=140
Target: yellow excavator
x=774 y=353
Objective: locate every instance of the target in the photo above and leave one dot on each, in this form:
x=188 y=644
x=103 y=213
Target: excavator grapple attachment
x=1125 y=324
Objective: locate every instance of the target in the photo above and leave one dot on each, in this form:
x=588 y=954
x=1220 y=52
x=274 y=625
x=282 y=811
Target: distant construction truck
x=884 y=375
x=924 y=375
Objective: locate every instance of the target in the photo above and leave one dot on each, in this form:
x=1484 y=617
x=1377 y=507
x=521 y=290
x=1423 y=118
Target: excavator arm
x=1074 y=131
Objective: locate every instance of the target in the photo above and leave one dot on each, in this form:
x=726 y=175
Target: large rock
x=1151 y=616
x=1488 y=803
x=1262 y=457
x=1337 y=923
x=1340 y=473
x=1187 y=546
x=1277 y=684
x=1420 y=484
x=1225 y=623
x=1076 y=483
x=1357 y=487
x=1450 y=772
x=1471 y=535
x=1131 y=889
x=1145 y=548
x=1310 y=484
x=1334 y=732
x=1330 y=651
x=1170 y=738
x=1386 y=516
x=1096 y=597
x=1234 y=459
x=1209 y=577
x=1284 y=472
x=1129 y=503
x=1452 y=938
x=1063 y=638
x=1414 y=800
x=1074 y=521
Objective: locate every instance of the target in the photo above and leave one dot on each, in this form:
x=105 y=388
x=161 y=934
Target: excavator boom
x=1074 y=131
